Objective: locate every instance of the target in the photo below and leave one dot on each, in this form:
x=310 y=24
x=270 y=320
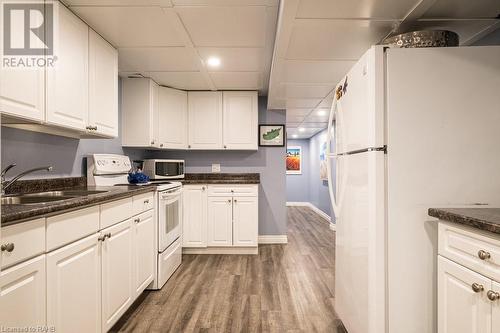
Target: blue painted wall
x=308 y=187
x=297 y=186
x=31 y=149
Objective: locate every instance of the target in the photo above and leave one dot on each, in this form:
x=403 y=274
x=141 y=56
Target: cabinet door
x=240 y=119
x=205 y=119
x=116 y=273
x=172 y=118
x=67 y=82
x=245 y=221
x=144 y=251
x=139 y=112
x=460 y=308
x=74 y=284
x=103 y=86
x=194 y=225
x=22 y=294
x=495 y=308
x=22 y=93
x=220 y=221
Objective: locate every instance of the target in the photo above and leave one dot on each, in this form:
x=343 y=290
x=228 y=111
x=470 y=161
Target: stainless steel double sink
x=45 y=197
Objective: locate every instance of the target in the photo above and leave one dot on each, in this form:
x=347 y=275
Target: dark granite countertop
x=487 y=219
x=221 y=178
x=13 y=214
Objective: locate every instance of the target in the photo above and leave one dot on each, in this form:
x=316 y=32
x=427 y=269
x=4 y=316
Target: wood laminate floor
x=286 y=288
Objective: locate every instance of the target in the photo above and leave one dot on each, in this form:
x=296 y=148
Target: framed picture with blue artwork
x=272 y=135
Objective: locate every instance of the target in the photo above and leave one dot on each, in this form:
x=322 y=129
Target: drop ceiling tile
x=236 y=80
x=294 y=119
x=334 y=39
x=131 y=26
x=297 y=90
x=179 y=80
x=225 y=26
x=302 y=103
x=308 y=125
x=389 y=9
x=298 y=112
x=157 y=59
x=226 y=2
x=326 y=103
x=464 y=9
x=466 y=29
x=134 y=3
x=327 y=73
x=234 y=59
x=314 y=118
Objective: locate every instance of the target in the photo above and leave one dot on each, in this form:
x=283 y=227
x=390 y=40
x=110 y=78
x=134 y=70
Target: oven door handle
x=169 y=195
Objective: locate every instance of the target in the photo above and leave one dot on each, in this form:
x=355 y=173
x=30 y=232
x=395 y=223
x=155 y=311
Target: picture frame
x=272 y=135
x=294 y=160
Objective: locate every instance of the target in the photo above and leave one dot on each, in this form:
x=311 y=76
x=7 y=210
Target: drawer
x=69 y=227
x=168 y=261
x=229 y=190
x=22 y=241
x=116 y=211
x=463 y=244
x=143 y=202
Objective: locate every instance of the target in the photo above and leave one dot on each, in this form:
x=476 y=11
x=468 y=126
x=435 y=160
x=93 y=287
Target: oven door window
x=171 y=216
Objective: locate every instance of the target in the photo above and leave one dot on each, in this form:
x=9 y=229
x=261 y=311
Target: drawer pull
x=228 y=200
x=235 y=201
x=146 y=201
x=9 y=247
x=493 y=295
x=137 y=220
x=103 y=237
x=483 y=255
x=476 y=287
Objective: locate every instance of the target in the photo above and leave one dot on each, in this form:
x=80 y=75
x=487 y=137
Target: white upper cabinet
x=205 y=119
x=67 y=82
x=103 y=86
x=240 y=120
x=22 y=93
x=139 y=113
x=172 y=118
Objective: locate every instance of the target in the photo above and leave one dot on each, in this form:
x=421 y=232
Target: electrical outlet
x=215 y=167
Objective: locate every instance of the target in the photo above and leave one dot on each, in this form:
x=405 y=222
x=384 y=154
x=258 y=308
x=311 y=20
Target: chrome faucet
x=6 y=184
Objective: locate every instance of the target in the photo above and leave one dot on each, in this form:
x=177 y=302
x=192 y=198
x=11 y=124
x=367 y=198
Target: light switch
x=215 y=167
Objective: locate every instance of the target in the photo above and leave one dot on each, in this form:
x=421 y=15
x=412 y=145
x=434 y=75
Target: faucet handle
x=7 y=168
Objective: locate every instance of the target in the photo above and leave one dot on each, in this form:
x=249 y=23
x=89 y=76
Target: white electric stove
x=112 y=170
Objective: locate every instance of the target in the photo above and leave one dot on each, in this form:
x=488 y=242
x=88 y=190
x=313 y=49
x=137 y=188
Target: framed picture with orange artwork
x=293 y=160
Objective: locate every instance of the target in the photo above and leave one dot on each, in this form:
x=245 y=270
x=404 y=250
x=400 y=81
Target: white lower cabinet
x=194 y=226
x=143 y=251
x=117 y=270
x=463 y=306
x=74 y=287
x=245 y=221
x=220 y=221
x=22 y=294
x=468 y=287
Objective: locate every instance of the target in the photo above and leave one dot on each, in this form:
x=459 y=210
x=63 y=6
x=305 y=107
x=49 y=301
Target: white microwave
x=163 y=169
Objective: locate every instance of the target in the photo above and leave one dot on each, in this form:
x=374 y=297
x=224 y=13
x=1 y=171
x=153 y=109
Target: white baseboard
x=318 y=211
x=220 y=250
x=273 y=239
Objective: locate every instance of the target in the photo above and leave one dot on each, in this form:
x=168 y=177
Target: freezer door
x=359 y=115
x=360 y=238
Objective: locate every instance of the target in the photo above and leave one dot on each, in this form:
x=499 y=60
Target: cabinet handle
x=228 y=200
x=235 y=201
x=203 y=188
x=95 y=128
x=9 y=247
x=161 y=144
x=153 y=142
x=483 y=255
x=189 y=146
x=476 y=287
x=102 y=238
x=225 y=146
x=108 y=235
x=146 y=201
x=493 y=295
x=89 y=128
x=137 y=220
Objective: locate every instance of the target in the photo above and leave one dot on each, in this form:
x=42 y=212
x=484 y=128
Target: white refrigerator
x=413 y=129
